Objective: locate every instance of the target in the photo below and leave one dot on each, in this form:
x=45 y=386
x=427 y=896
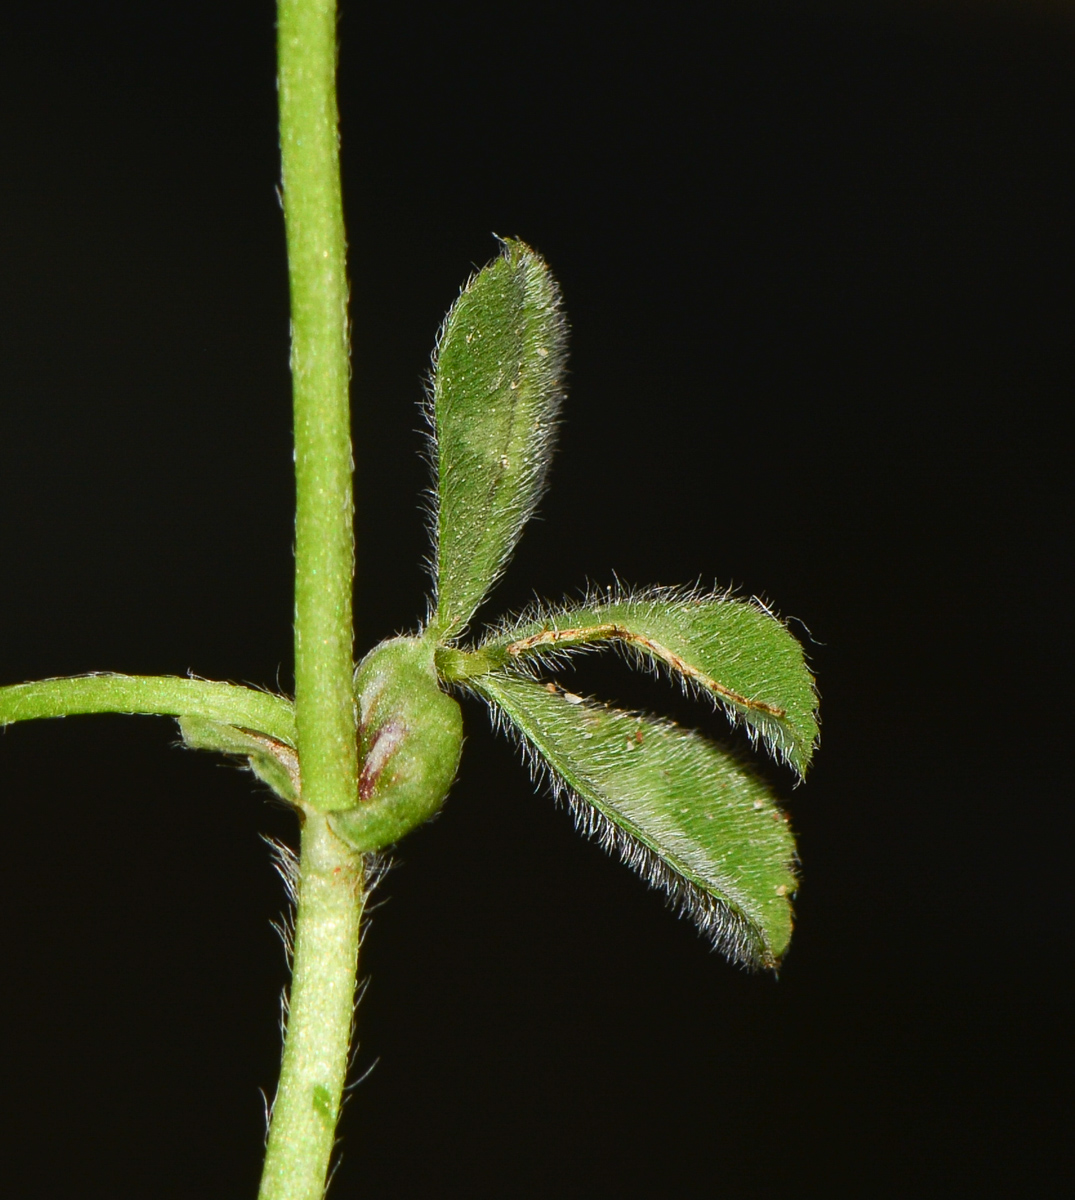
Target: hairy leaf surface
x=734 y=651
x=681 y=811
x=497 y=387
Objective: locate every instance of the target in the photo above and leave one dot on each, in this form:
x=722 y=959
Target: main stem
x=330 y=884
x=327 y=928
x=320 y=368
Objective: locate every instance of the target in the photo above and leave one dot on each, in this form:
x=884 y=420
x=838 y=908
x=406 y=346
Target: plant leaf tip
x=686 y=815
x=495 y=396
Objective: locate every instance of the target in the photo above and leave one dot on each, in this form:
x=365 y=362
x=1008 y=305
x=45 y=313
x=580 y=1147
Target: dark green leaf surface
x=680 y=810
x=497 y=387
x=734 y=651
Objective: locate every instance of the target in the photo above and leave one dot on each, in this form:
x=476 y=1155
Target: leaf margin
x=719 y=916
x=541 y=291
x=790 y=730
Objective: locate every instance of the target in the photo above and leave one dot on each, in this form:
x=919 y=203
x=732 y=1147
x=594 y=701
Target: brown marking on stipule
x=284 y=754
x=384 y=744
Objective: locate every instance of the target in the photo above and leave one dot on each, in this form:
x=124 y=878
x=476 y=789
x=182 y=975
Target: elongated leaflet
x=681 y=811
x=735 y=652
x=496 y=391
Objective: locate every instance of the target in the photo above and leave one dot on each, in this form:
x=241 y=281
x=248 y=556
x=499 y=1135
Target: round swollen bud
x=409 y=741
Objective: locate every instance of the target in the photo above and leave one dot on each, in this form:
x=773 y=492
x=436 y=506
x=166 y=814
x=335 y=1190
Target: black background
x=818 y=265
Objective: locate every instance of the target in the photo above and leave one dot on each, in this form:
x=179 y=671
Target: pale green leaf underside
x=679 y=809
x=733 y=651
x=273 y=762
x=497 y=386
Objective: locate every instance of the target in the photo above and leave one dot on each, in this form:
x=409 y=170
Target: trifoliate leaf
x=496 y=391
x=681 y=811
x=733 y=651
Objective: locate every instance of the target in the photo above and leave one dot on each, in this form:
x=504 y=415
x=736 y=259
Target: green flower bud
x=410 y=738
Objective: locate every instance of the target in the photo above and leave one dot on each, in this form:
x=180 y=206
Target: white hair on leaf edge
x=727 y=930
x=543 y=288
x=771 y=733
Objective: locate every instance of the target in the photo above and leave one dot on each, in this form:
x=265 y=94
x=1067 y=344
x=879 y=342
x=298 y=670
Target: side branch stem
x=159 y=695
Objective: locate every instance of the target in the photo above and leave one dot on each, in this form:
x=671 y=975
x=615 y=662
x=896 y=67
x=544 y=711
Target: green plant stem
x=160 y=695
x=320 y=367
x=327 y=930
x=330 y=883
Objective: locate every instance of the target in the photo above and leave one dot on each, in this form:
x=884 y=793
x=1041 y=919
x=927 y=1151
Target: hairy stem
x=330 y=883
x=161 y=695
x=327 y=929
x=320 y=367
